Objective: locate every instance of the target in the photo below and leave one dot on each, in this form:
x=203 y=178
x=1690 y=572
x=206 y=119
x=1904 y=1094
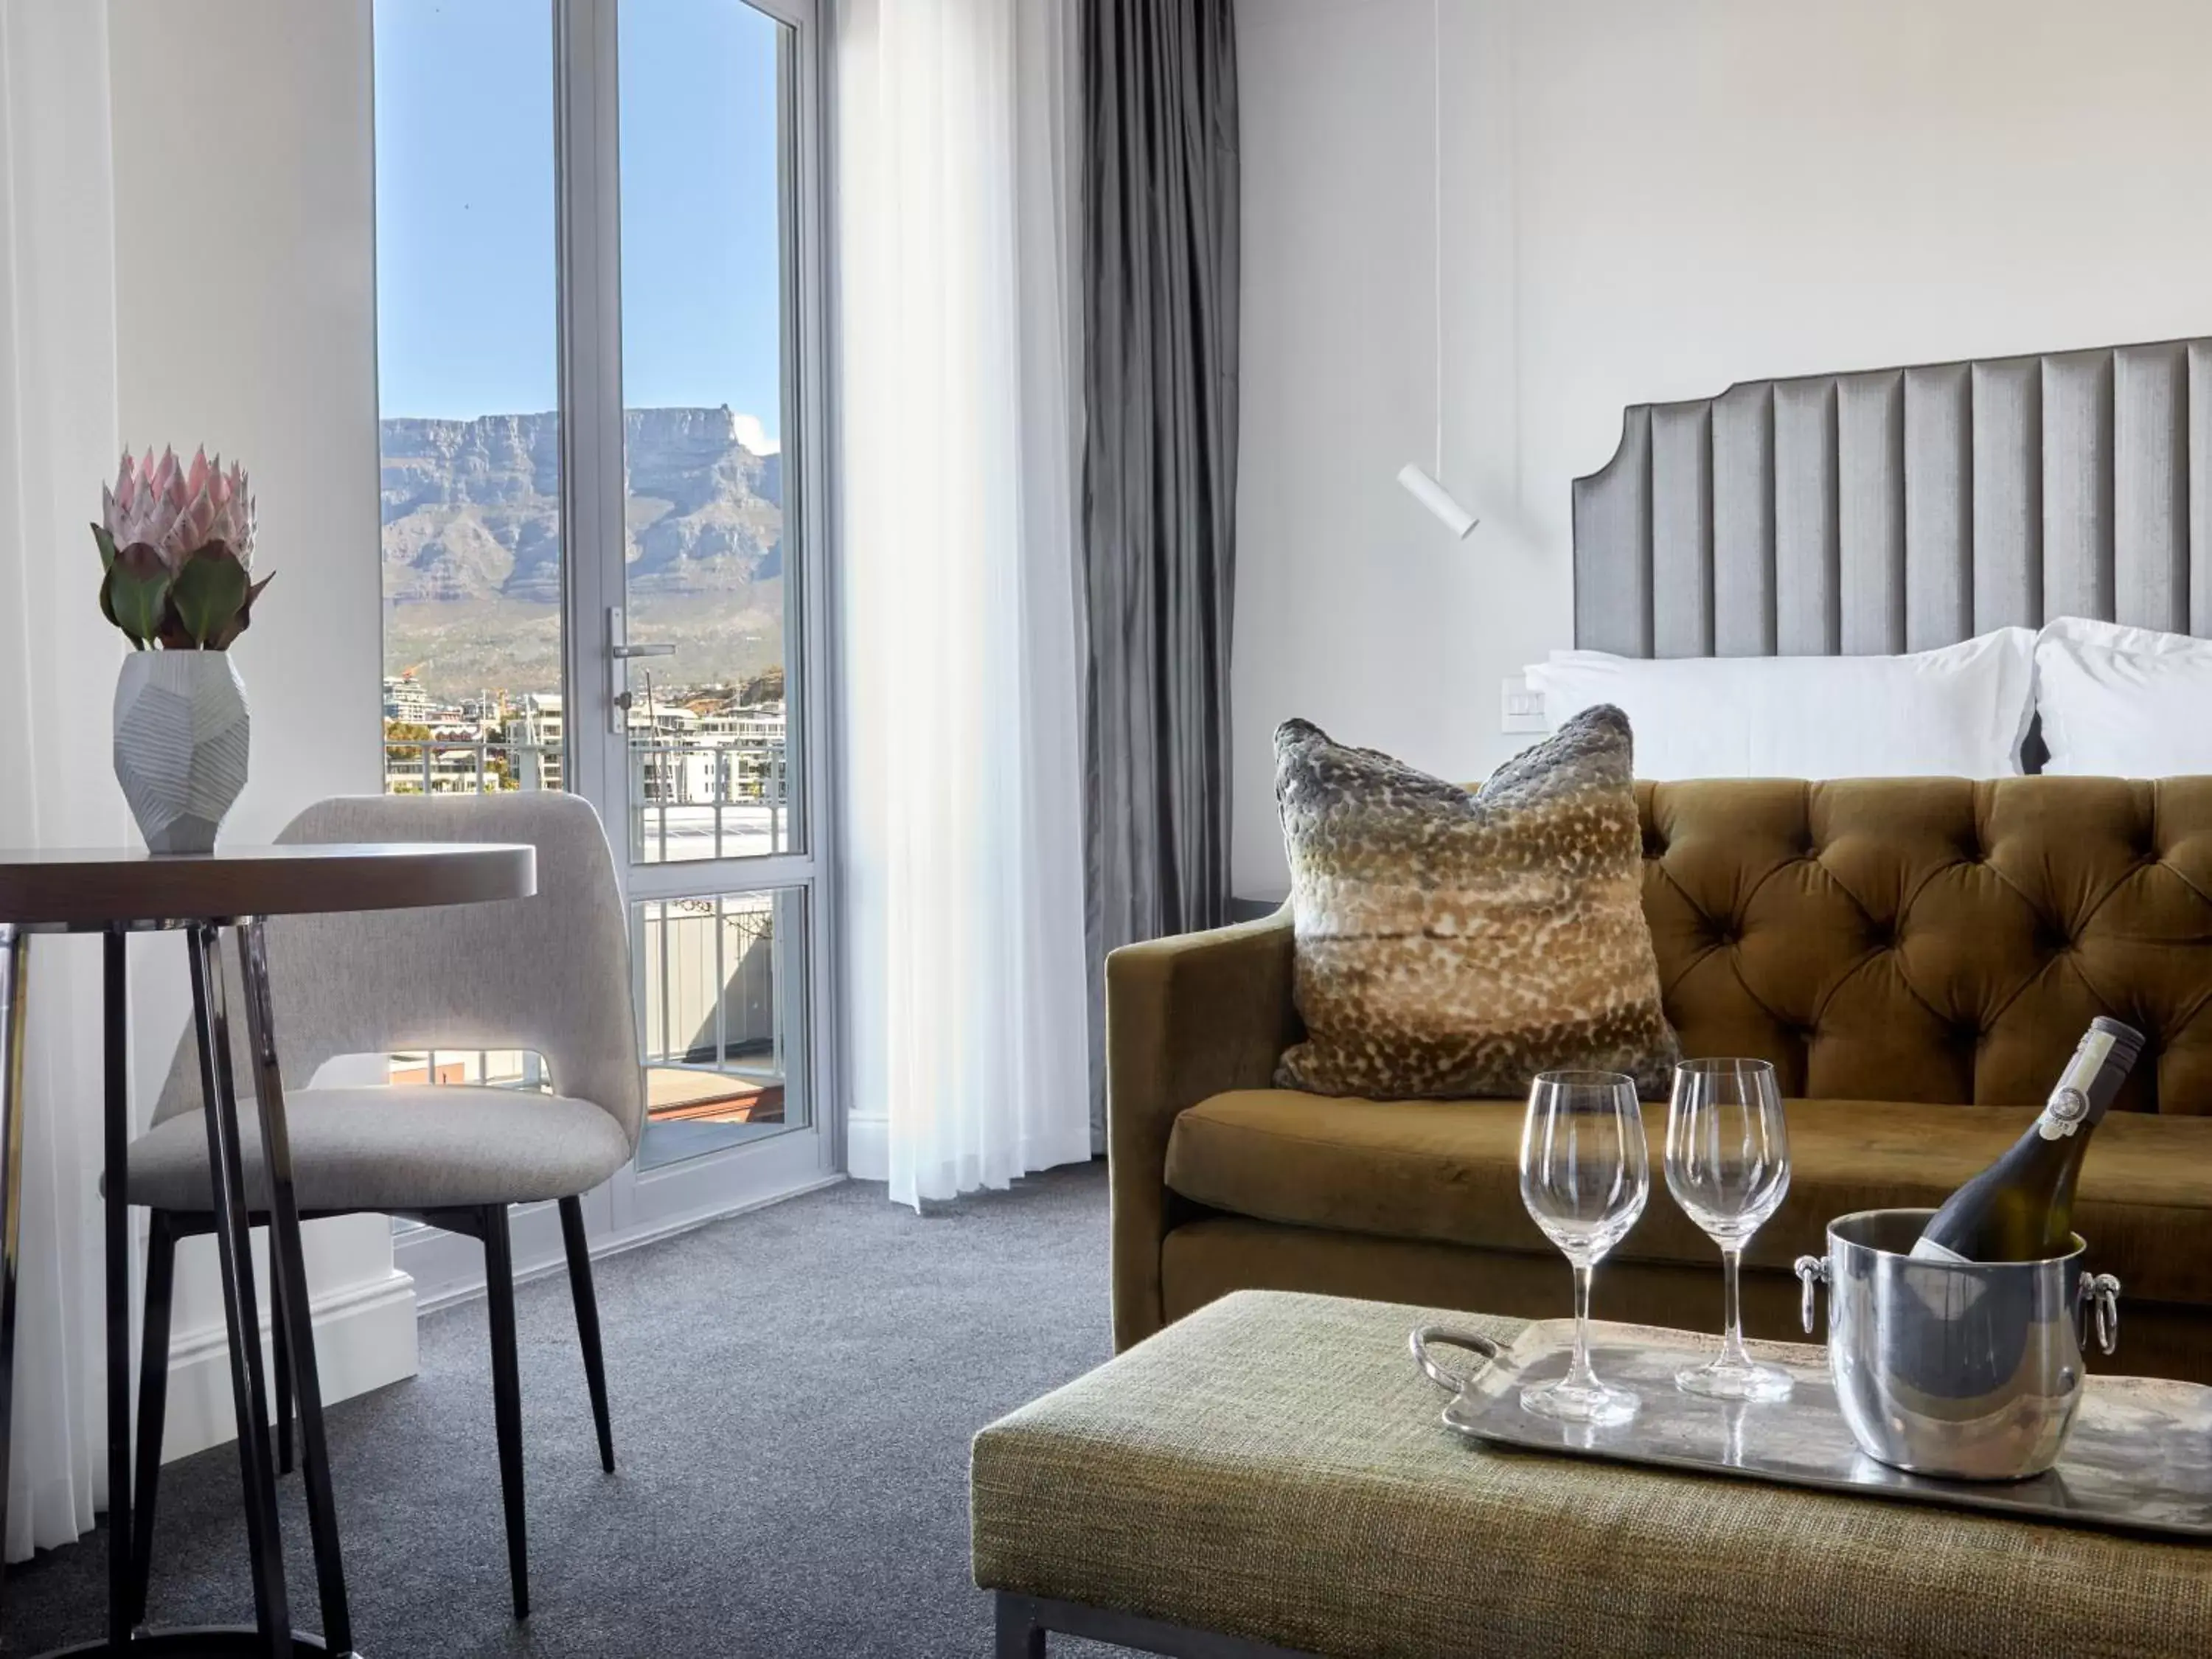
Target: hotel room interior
x=906 y=799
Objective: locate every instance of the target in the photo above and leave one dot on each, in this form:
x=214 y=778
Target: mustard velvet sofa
x=1918 y=957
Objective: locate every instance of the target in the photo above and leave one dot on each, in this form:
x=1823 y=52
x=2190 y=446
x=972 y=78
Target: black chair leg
x=587 y=1323
x=283 y=1385
x=507 y=1397
x=153 y=1402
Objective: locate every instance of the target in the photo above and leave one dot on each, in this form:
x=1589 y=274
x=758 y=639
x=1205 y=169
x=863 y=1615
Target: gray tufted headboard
x=1894 y=510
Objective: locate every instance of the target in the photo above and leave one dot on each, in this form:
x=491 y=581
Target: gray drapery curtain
x=1157 y=502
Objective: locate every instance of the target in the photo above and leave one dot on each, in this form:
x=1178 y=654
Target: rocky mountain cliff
x=472 y=548
x=471 y=508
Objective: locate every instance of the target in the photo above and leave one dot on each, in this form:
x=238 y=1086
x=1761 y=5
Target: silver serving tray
x=2139 y=1459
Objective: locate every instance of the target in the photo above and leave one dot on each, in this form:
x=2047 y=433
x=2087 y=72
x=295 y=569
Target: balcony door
x=601 y=475
x=694 y=645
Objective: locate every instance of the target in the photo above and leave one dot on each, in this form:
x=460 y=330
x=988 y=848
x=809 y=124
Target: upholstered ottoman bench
x=1268 y=1477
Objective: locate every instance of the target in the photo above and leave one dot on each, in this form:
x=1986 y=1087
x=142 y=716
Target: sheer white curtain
x=963 y=850
x=57 y=659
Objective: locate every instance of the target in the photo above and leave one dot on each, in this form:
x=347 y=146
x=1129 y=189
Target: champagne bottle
x=2022 y=1207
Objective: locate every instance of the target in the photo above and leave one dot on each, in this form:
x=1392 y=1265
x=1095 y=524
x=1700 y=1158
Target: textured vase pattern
x=180 y=744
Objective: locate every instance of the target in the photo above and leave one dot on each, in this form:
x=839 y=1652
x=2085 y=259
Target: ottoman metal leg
x=1020 y=1636
x=1024 y=1622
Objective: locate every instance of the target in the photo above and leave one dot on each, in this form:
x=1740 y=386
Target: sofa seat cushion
x=1449 y=1171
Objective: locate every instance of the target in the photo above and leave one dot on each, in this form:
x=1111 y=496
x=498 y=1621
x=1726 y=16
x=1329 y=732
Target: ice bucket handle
x=1438 y=1335
x=1813 y=1271
x=2097 y=1306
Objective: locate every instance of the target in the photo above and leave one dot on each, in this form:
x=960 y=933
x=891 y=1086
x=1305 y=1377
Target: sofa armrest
x=1186 y=1018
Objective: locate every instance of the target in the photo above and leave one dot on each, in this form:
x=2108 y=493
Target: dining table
x=118 y=893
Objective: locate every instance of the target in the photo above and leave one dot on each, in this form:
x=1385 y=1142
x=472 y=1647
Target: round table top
x=127 y=886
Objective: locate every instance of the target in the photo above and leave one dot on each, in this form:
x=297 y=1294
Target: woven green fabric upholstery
x=1273 y=1467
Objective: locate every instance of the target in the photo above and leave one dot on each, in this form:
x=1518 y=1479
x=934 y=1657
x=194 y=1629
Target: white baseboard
x=449 y=1269
x=868 y=1147
x=364 y=1339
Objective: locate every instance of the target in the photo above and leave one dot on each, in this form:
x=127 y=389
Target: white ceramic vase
x=180 y=741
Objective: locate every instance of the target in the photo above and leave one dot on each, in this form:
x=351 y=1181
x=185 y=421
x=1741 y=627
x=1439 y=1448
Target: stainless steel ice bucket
x=1969 y=1370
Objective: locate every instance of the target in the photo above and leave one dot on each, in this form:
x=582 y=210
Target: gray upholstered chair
x=549 y=974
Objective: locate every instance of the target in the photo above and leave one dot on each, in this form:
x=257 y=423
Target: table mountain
x=471 y=508
x=472 y=544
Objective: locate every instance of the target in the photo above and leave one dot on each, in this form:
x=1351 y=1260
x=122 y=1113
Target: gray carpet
x=792 y=1391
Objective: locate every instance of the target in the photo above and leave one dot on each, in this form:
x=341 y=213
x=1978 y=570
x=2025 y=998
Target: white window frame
x=639 y=1204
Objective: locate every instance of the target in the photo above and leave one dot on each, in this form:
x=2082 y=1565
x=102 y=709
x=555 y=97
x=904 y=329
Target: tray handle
x=1813 y=1272
x=1439 y=1336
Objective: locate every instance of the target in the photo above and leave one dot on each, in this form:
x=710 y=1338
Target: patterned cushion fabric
x=1453 y=943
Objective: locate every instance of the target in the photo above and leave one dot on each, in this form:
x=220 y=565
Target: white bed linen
x=1959 y=711
x=2123 y=701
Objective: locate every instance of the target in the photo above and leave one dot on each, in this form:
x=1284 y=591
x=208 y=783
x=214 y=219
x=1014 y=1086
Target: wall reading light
x=1421 y=482
x=1438 y=500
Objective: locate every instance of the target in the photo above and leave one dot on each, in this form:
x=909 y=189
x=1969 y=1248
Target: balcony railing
x=468 y=766
x=689 y=797
x=707 y=799
x=708 y=1006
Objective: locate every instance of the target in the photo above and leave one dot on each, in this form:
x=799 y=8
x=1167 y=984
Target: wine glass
x=1728 y=1165
x=1585 y=1174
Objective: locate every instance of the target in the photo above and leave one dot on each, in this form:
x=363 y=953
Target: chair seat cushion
x=1449 y=1170
x=395 y=1149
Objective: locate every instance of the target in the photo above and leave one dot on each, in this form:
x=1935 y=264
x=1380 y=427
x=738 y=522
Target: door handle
x=620 y=654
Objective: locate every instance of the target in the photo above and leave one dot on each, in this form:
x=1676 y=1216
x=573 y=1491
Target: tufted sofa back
x=1933 y=938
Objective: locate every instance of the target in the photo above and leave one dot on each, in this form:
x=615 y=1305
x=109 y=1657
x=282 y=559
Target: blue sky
x=465 y=191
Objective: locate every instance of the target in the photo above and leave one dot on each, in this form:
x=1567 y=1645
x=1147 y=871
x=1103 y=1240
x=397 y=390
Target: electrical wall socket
x=1520 y=707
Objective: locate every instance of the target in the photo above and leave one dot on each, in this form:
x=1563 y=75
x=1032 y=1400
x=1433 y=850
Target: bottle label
x=2068 y=1108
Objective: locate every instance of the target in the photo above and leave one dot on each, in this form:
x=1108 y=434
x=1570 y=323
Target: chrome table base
x=272 y=1636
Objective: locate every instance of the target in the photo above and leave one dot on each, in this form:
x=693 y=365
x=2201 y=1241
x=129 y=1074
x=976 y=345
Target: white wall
x=245 y=320
x=1641 y=201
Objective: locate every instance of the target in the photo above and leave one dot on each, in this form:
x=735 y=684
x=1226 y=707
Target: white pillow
x=1961 y=711
x=2126 y=702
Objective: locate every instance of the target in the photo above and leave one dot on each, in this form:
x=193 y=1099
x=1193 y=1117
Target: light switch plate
x=1520 y=707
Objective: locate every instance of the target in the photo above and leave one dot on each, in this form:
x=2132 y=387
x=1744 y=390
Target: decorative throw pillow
x=1456 y=942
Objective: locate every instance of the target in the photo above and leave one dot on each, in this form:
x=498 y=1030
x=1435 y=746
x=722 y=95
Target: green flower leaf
x=210 y=590
x=245 y=618
x=107 y=542
x=134 y=591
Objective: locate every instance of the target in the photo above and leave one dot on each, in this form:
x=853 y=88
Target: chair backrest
x=549 y=974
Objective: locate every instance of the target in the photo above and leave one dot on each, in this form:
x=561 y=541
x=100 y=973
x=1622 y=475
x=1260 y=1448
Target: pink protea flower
x=176 y=548
x=178 y=512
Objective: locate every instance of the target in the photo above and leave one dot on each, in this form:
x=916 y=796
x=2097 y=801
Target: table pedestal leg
x=116 y=1131
x=234 y=1252
x=14 y=958
x=287 y=1272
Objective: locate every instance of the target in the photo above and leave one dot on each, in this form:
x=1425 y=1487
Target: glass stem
x=1732 y=1349
x=1579 y=1374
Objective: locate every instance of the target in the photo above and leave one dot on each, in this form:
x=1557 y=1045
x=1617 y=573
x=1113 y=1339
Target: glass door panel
x=722 y=981
x=707 y=675
x=468 y=372
x=707 y=260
